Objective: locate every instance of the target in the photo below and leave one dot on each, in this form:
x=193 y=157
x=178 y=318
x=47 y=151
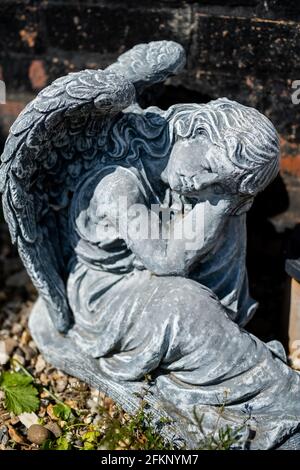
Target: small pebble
x=108 y=402
x=40 y=364
x=5 y=439
x=4 y=357
x=25 y=338
x=19 y=359
x=14 y=419
x=88 y=419
x=82 y=387
x=73 y=382
x=42 y=412
x=16 y=329
x=29 y=352
x=54 y=428
x=97 y=420
x=122 y=444
x=38 y=434
x=45 y=401
x=61 y=384
x=92 y=405
x=44 y=379
x=7 y=324
x=5 y=333
x=3 y=431
x=32 y=344
x=10 y=345
x=50 y=412
x=19 y=352
x=28 y=419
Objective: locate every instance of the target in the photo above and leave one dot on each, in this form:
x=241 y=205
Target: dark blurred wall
x=247 y=50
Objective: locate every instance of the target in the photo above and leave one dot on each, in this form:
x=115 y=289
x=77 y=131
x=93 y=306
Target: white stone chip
x=4 y=357
x=28 y=419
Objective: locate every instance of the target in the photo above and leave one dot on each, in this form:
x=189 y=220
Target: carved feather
x=146 y=64
x=54 y=141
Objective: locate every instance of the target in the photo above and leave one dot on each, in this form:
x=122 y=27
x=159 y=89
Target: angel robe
x=185 y=331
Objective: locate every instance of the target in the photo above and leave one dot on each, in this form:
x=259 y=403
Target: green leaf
x=88 y=446
x=62 y=444
x=63 y=412
x=20 y=394
x=91 y=436
x=48 y=445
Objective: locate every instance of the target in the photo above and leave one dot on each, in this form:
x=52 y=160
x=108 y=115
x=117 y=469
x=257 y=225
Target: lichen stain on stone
x=28 y=36
x=37 y=74
x=290 y=157
x=291 y=165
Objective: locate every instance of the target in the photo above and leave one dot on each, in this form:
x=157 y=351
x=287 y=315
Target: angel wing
x=54 y=141
x=146 y=64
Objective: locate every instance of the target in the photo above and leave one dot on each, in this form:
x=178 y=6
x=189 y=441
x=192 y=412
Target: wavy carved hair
x=249 y=138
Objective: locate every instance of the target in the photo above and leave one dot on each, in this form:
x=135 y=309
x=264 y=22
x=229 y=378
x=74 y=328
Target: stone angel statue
x=131 y=224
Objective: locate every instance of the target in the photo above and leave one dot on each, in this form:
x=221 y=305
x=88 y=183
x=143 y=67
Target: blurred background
x=246 y=50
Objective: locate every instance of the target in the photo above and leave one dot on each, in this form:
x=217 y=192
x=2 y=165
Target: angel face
x=199 y=168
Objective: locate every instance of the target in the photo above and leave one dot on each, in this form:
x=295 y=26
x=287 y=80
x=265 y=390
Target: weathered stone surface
x=169 y=303
x=245 y=49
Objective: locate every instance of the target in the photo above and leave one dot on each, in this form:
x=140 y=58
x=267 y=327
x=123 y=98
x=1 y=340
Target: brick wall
x=247 y=50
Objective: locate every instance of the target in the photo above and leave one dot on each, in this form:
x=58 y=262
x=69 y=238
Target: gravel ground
x=92 y=411
x=96 y=421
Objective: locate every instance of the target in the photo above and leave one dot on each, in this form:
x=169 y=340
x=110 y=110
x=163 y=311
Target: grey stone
x=54 y=428
x=131 y=224
x=40 y=365
x=61 y=384
x=38 y=434
x=10 y=345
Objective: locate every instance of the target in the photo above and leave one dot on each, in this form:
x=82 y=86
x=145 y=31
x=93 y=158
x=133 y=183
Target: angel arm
x=153 y=240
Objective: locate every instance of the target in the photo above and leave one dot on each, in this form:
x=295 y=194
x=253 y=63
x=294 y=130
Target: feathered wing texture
x=49 y=146
x=146 y=64
x=54 y=141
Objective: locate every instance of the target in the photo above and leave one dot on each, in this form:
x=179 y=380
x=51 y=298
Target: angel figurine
x=122 y=296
